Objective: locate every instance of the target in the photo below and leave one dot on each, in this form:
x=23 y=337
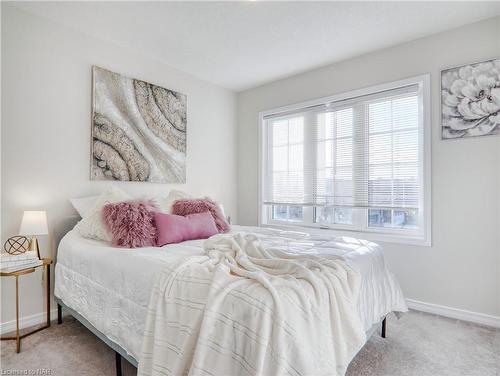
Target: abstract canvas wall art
x=470 y=100
x=138 y=130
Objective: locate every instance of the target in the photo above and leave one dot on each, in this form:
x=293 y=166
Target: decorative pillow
x=92 y=226
x=131 y=223
x=83 y=204
x=176 y=228
x=193 y=206
x=164 y=204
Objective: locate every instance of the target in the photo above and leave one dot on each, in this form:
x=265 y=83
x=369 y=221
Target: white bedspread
x=268 y=312
x=111 y=287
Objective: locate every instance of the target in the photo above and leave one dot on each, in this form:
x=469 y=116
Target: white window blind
x=337 y=158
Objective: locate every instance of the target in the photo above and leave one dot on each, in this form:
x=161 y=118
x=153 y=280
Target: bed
x=108 y=289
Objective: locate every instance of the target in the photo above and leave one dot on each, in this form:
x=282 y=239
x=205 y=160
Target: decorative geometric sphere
x=16 y=245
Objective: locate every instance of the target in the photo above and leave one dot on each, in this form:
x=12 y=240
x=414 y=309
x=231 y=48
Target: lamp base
x=34 y=247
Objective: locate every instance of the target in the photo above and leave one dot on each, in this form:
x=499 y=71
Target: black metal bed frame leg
x=59 y=314
x=118 y=359
x=384 y=327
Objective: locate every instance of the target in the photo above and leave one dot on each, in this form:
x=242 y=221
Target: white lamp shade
x=34 y=223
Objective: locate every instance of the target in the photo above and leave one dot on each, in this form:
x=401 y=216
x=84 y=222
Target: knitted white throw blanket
x=250 y=309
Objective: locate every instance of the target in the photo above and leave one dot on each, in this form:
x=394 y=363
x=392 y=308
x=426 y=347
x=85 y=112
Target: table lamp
x=34 y=223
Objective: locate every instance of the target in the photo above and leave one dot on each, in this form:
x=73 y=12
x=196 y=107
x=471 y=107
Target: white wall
x=462 y=267
x=45 y=139
x=46 y=102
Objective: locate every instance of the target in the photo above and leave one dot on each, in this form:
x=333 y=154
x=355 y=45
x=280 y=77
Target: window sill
x=369 y=235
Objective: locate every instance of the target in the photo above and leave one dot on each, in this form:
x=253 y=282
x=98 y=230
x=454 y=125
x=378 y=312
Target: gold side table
x=46 y=266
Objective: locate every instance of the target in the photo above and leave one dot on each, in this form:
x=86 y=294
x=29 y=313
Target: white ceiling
x=239 y=45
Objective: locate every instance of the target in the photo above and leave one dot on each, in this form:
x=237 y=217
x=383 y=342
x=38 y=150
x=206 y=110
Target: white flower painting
x=470 y=100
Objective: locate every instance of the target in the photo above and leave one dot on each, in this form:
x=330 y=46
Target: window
x=355 y=162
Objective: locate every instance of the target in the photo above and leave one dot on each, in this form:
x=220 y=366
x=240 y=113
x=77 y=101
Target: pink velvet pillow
x=176 y=228
x=193 y=206
x=131 y=223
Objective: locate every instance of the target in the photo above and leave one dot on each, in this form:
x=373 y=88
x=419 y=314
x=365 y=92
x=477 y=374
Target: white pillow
x=91 y=226
x=221 y=207
x=83 y=204
x=165 y=203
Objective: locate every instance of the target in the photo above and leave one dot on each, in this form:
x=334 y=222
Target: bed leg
x=118 y=359
x=59 y=314
x=384 y=327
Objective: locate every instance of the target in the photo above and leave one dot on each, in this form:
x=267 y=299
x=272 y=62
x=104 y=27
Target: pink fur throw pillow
x=194 y=206
x=131 y=223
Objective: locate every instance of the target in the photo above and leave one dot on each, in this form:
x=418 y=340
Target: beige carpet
x=417 y=345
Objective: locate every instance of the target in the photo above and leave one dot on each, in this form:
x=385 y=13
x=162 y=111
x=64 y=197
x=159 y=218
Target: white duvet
x=112 y=287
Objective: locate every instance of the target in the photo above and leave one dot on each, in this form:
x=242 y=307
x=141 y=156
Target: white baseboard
x=27 y=321
x=455 y=313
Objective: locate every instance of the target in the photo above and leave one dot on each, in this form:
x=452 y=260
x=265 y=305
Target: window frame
x=360 y=227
